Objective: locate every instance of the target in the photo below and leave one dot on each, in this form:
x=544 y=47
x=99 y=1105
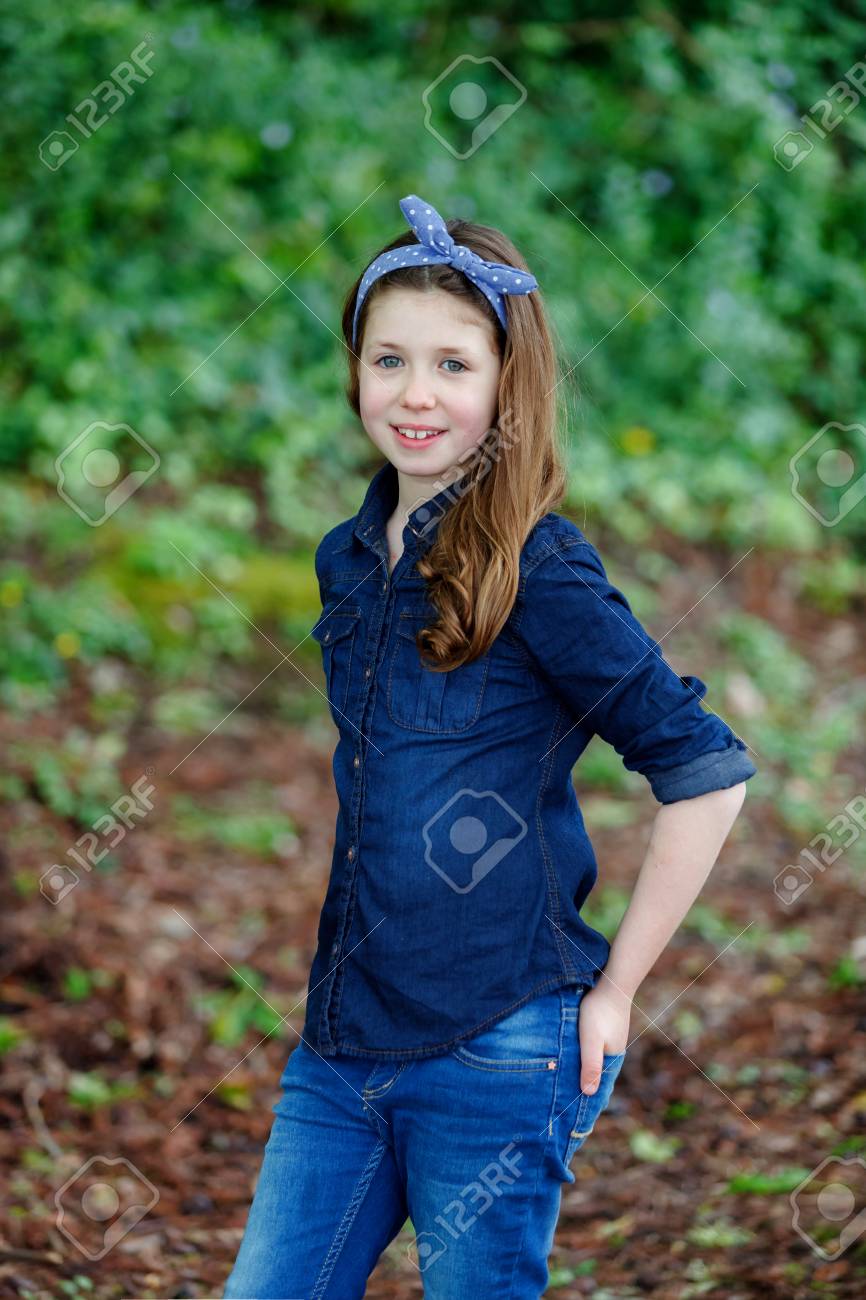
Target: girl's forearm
x=684 y=843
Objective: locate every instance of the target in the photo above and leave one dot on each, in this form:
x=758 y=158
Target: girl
x=464 y=1026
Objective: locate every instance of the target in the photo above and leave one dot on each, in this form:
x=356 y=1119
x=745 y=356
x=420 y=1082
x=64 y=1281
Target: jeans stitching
x=348 y=1219
x=383 y=1087
x=562 y=1024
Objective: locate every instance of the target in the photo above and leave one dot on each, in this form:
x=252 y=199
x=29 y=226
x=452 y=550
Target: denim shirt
x=461 y=861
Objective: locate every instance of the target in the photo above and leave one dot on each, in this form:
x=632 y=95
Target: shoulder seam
x=559 y=542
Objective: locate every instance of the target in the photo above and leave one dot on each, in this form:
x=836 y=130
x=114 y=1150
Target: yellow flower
x=11 y=592
x=67 y=644
x=638 y=441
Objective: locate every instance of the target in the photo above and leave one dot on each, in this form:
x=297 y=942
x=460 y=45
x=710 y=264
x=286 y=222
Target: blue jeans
x=472 y=1146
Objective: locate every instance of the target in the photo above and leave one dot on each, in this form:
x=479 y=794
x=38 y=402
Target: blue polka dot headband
x=494 y=279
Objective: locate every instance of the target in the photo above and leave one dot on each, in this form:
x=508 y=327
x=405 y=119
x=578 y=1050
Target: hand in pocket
x=602 y=1026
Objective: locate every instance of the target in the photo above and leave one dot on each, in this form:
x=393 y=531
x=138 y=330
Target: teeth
x=419 y=433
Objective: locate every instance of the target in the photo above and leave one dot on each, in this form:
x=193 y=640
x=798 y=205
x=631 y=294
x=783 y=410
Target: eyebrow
x=463 y=347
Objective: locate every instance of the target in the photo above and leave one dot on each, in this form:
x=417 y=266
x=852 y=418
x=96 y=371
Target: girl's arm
x=684 y=843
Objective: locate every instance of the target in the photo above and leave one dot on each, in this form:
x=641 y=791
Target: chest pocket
x=336 y=634
x=423 y=700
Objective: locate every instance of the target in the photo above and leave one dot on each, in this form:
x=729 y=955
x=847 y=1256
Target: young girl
x=464 y=1026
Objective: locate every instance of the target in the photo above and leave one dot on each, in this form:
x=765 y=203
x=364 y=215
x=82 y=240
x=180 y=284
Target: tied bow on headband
x=494 y=279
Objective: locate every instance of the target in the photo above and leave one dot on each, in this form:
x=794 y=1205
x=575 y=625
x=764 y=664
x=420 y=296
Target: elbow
x=731 y=794
x=729 y=799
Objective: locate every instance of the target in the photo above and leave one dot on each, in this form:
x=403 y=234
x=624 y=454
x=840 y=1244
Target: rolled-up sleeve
x=584 y=638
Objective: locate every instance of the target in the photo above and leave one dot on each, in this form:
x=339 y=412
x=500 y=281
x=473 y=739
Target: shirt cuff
x=718 y=770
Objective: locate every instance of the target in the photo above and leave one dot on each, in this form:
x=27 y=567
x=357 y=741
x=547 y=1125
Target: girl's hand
x=602 y=1026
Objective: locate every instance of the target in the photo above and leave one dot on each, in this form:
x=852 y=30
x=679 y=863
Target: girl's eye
x=450 y=361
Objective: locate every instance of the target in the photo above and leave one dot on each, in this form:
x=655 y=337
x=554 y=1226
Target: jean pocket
x=335 y=633
x=591 y=1106
x=527 y=1039
x=421 y=699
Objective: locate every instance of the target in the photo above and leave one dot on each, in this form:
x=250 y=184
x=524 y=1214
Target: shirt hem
x=443 y=1049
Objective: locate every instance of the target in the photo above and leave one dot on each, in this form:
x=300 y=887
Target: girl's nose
x=417 y=393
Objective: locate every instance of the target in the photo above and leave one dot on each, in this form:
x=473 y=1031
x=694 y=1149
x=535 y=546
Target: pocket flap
x=411 y=621
x=335 y=624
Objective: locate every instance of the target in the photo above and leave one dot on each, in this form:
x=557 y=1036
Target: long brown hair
x=517 y=476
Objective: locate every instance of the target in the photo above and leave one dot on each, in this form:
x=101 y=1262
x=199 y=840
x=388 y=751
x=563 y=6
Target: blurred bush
x=181 y=272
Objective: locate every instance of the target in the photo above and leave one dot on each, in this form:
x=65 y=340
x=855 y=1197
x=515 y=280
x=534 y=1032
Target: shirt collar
x=381 y=500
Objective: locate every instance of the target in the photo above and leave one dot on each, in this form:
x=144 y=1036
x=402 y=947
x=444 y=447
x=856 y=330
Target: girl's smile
x=418 y=437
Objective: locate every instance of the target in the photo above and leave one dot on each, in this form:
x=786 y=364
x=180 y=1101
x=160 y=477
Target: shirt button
x=367 y=672
x=335 y=949
x=356 y=761
x=384 y=586
x=350 y=855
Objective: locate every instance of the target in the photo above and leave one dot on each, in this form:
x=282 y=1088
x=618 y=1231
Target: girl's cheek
x=371 y=402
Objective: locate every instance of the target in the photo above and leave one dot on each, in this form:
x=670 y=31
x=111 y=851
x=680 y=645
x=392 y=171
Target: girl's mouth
x=416 y=437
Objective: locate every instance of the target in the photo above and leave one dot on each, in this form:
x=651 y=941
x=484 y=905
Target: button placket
x=336 y=975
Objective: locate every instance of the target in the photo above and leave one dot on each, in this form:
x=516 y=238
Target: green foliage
x=756 y=1183
x=677 y=1110
x=78 y=983
x=231 y=1013
x=605 y=908
x=175 y=220
x=90 y=1090
x=77 y=1286
x=846 y=974
x=10 y=1035
x=786 y=731
x=719 y=1233
x=561 y=1275
x=78 y=778
x=655 y=1148
x=261 y=832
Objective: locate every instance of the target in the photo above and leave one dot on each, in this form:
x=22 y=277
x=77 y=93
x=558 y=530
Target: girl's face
x=432 y=363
